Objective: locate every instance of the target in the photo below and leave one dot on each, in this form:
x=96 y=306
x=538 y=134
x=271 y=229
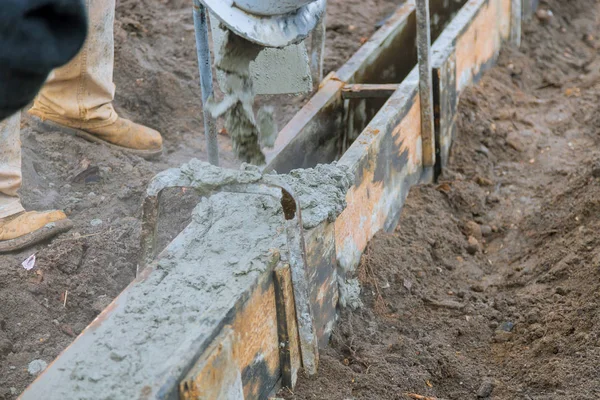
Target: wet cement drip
x=233 y=60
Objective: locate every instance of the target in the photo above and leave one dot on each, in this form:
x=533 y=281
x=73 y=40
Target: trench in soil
x=489 y=287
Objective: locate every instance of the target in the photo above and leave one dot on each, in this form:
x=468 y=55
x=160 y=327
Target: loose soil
x=101 y=190
x=490 y=285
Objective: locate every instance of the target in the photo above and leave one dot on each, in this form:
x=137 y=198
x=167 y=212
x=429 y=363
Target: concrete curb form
x=227 y=333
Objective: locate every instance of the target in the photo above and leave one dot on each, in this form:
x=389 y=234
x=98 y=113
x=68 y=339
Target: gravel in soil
x=79 y=273
x=489 y=287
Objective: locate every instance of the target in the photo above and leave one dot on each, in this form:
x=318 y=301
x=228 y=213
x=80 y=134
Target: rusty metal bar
x=425 y=82
x=516 y=15
x=364 y=91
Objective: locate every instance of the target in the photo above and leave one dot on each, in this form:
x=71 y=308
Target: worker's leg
x=78 y=97
x=18 y=228
x=10 y=166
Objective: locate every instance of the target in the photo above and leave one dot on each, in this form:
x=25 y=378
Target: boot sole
x=50 y=126
x=46 y=232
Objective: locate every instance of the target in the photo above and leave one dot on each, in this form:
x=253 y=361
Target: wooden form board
x=386 y=160
x=243 y=350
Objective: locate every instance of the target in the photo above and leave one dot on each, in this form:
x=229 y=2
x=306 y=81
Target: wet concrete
x=157 y=328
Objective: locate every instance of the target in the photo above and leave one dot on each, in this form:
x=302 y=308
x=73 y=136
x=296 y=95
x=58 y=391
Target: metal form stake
x=516 y=10
x=425 y=82
x=206 y=79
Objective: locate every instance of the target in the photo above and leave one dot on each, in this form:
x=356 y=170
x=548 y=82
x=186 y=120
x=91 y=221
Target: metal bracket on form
x=296 y=250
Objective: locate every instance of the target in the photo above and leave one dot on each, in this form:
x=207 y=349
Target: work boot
x=77 y=98
x=19 y=229
x=121 y=134
x=28 y=228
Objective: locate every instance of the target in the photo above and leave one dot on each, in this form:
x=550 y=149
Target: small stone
x=485 y=389
x=596 y=170
x=472 y=228
x=544 y=15
x=561 y=291
x=5 y=347
x=356 y=368
x=477 y=288
x=67 y=330
x=492 y=199
x=14 y=391
x=483 y=150
x=590 y=40
x=483 y=181
x=36 y=366
x=513 y=140
x=78 y=328
x=473 y=246
x=96 y=222
x=117 y=356
x=91 y=194
x=506 y=326
x=233 y=260
x=486 y=230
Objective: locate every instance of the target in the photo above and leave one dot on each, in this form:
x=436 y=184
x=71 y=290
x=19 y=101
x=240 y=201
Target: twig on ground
x=419 y=397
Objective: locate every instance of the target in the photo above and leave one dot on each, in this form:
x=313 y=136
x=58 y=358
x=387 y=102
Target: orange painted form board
x=386 y=160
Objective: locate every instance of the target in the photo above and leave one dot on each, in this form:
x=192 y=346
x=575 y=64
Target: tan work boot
x=28 y=228
x=121 y=134
x=77 y=98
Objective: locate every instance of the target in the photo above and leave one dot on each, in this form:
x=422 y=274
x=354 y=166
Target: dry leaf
x=444 y=187
x=573 y=92
x=419 y=397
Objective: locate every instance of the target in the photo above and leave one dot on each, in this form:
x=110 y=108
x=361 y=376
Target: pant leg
x=83 y=90
x=10 y=165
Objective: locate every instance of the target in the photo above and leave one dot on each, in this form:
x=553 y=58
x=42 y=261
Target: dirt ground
x=157 y=84
x=490 y=285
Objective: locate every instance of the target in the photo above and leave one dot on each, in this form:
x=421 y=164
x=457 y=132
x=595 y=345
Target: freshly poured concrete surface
x=159 y=326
